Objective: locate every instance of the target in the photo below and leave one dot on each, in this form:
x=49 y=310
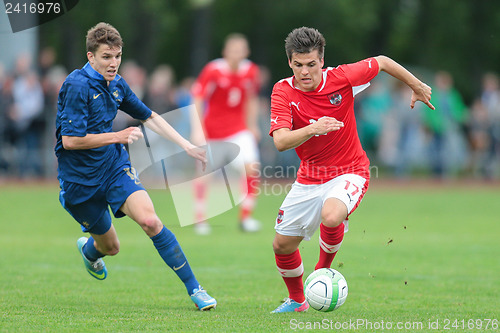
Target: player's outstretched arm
x=163 y=128
x=421 y=91
x=91 y=141
x=195 y=118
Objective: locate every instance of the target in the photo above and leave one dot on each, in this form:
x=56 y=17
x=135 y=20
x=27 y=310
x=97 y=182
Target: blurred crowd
x=28 y=98
x=455 y=140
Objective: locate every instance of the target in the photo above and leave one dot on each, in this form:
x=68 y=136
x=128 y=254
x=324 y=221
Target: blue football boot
x=202 y=300
x=95 y=268
x=289 y=305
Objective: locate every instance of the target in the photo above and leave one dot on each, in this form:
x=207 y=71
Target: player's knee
x=151 y=224
x=333 y=218
x=280 y=247
x=334 y=212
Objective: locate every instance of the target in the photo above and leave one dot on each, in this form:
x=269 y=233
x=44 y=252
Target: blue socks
x=169 y=249
x=90 y=251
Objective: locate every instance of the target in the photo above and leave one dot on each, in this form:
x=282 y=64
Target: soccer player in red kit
x=312 y=111
x=225 y=96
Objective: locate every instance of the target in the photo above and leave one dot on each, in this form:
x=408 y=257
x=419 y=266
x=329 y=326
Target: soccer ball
x=325 y=289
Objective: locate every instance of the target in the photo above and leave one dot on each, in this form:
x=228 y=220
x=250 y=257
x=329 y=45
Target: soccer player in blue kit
x=93 y=166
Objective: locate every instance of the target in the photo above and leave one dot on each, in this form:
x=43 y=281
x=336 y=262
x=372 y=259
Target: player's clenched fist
x=130 y=135
x=325 y=125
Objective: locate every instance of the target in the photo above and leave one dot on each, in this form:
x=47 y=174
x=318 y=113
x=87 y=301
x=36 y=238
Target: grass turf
x=414 y=255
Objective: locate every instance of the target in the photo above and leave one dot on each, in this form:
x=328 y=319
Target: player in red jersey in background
x=313 y=112
x=225 y=96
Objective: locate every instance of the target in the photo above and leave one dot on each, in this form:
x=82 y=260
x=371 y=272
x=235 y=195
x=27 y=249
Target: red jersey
x=324 y=157
x=225 y=93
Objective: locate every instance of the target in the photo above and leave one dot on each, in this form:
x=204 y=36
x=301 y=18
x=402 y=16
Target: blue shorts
x=89 y=205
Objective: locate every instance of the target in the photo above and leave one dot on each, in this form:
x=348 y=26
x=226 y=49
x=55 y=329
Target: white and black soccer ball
x=325 y=289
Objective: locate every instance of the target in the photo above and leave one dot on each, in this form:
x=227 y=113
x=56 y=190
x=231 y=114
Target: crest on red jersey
x=335 y=98
x=279 y=219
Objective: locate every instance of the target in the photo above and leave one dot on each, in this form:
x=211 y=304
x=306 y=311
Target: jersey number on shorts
x=132 y=174
x=348 y=184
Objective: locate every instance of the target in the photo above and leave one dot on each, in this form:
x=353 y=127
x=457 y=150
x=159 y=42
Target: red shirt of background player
x=226 y=92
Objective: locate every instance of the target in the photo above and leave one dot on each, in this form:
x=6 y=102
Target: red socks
x=291 y=269
x=290 y=265
x=330 y=240
x=248 y=204
x=200 y=190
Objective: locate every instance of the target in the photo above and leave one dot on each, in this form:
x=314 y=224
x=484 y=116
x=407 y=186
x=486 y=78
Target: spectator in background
x=401 y=141
x=478 y=127
x=183 y=95
x=182 y=98
x=46 y=60
x=161 y=95
x=159 y=92
x=6 y=100
x=51 y=77
x=27 y=118
x=51 y=82
x=444 y=126
x=373 y=108
x=136 y=78
x=490 y=98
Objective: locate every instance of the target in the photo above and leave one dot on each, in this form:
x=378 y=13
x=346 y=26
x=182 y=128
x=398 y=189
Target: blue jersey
x=87 y=105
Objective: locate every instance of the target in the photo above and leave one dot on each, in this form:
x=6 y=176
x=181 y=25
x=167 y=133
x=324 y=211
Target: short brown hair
x=304 y=40
x=103 y=33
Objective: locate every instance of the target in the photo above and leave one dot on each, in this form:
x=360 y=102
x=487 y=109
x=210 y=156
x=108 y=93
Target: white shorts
x=249 y=152
x=300 y=212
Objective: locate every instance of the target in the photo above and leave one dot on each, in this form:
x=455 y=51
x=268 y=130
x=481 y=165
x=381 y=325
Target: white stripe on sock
x=327 y=247
x=292 y=272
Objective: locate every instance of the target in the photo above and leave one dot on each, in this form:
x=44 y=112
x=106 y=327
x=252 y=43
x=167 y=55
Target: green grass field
x=415 y=255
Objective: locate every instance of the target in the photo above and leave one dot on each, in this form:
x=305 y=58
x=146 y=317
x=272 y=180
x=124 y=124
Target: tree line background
x=459 y=36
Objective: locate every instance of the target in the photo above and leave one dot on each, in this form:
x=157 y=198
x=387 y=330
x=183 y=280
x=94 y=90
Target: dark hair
x=304 y=40
x=103 y=33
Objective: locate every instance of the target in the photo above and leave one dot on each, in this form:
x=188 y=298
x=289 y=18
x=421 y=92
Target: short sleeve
x=74 y=110
x=255 y=79
x=199 y=89
x=281 y=116
x=132 y=105
x=361 y=72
